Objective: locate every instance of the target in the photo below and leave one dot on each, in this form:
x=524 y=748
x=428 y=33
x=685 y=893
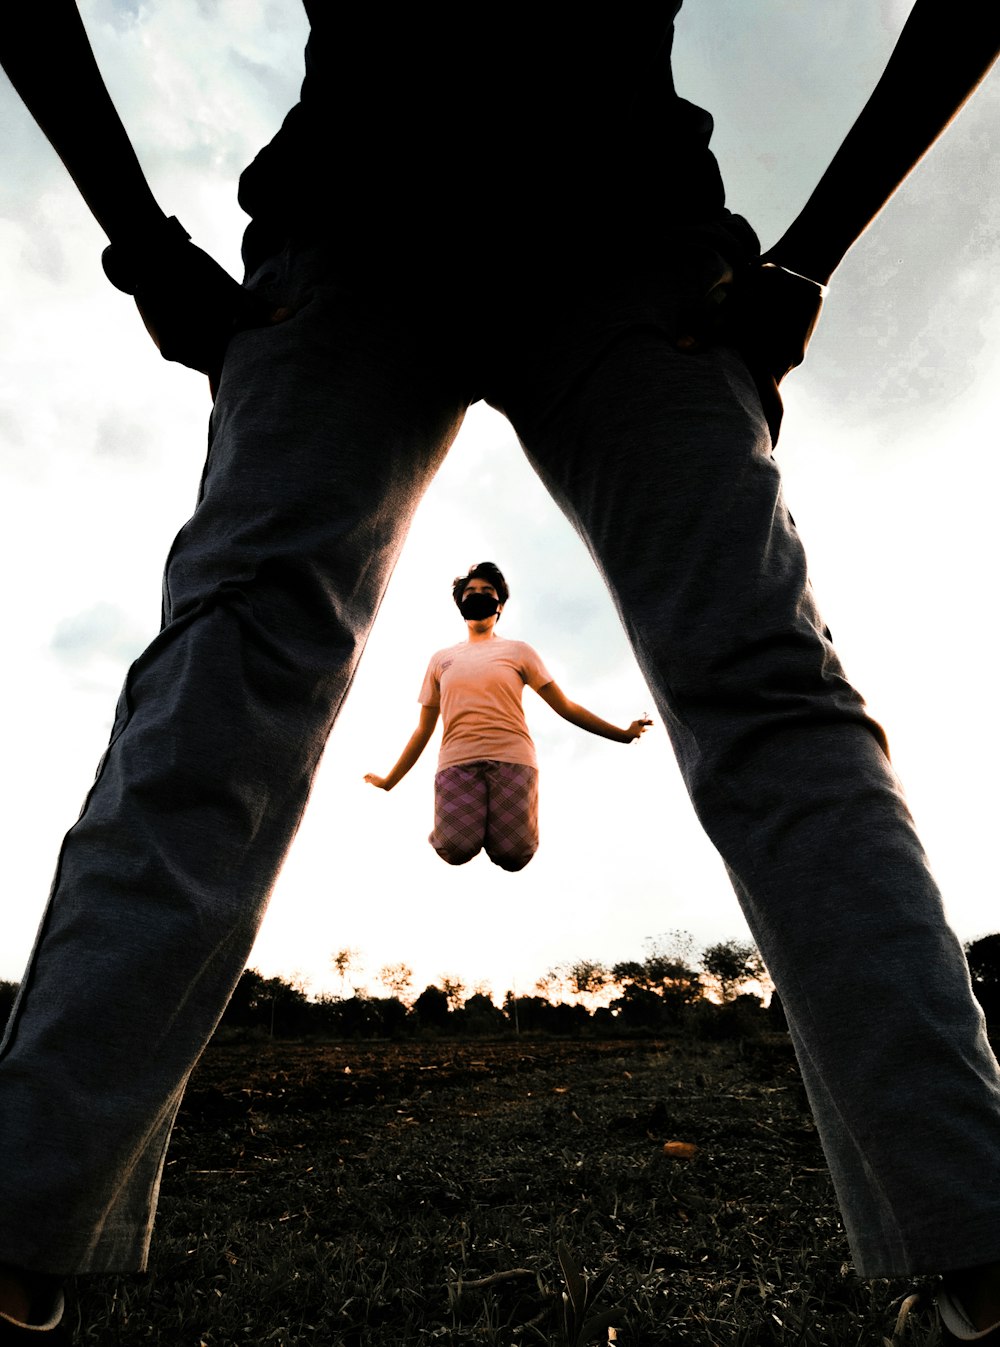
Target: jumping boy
x=486 y=786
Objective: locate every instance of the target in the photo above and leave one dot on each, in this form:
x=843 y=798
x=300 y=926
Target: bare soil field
x=354 y=1195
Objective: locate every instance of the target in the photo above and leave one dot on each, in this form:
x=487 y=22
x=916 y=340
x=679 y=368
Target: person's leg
x=30 y=1298
x=662 y=461
x=969 y=1306
x=326 y=431
x=512 y=816
x=460 y=801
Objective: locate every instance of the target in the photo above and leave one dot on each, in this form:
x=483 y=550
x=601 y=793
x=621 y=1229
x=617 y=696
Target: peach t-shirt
x=478 y=687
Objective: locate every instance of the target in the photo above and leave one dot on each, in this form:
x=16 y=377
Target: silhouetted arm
x=46 y=55
x=189 y=304
x=943 y=53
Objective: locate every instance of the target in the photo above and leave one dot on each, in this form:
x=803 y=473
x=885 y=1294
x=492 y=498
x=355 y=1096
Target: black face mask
x=476 y=607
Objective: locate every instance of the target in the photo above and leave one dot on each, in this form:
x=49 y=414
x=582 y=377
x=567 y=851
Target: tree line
x=667 y=990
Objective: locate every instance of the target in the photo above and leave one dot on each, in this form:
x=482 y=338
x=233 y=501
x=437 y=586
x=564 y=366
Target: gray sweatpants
x=326 y=432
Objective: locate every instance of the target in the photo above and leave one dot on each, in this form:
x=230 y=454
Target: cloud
x=119 y=14
x=913 y=327
x=43 y=250
x=11 y=428
x=119 y=437
x=804 y=72
x=29 y=165
x=905 y=321
x=272 y=81
x=103 y=631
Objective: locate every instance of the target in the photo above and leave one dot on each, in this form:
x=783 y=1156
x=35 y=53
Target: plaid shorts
x=491 y=805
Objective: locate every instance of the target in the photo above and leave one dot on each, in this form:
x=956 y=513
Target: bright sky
x=889 y=451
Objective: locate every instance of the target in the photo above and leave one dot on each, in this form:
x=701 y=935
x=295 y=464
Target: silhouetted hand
x=378 y=781
x=770 y=316
x=191 y=306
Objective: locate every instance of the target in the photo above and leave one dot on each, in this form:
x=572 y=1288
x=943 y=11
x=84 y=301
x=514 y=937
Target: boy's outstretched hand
x=637 y=727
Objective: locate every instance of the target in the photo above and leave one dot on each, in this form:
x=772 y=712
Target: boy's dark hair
x=485 y=570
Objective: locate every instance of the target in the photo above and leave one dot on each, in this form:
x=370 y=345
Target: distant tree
x=350 y=1017
x=741 y=1018
x=291 y=1009
x=732 y=964
x=777 y=1019
x=244 y=1008
x=564 y=1018
x=538 y=1015
x=581 y=982
x=548 y=984
x=675 y=946
x=528 y=1013
x=480 y=1016
x=431 y=1007
x=983 y=957
x=453 y=990
x=511 y=1010
x=665 y=978
x=664 y=973
x=398 y=977
x=657 y=990
x=272 y=1004
x=640 y=1008
x=587 y=977
x=391 y=1016
x=342 y=962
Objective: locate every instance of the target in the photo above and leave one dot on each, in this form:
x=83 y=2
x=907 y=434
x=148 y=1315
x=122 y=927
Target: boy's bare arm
x=416 y=744
x=553 y=695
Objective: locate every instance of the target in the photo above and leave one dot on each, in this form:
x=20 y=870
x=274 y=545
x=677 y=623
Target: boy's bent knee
x=512 y=861
x=455 y=855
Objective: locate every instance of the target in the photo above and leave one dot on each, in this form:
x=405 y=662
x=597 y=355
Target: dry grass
x=418 y=1193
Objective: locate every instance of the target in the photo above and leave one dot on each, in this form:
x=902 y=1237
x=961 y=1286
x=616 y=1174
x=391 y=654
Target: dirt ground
x=372 y=1193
